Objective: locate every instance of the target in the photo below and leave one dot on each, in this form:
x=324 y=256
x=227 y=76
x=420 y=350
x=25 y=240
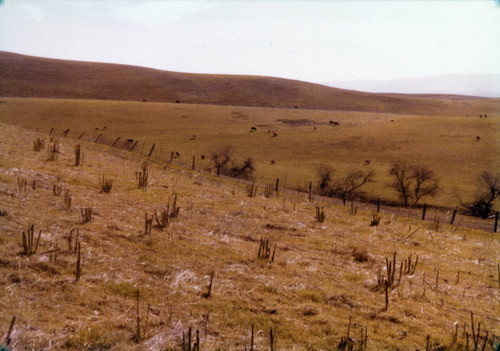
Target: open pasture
x=304 y=139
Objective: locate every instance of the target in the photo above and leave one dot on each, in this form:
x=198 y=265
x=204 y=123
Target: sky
x=314 y=41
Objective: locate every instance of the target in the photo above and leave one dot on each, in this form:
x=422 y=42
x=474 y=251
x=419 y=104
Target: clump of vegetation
x=38 y=144
x=29 y=244
x=86 y=214
x=320 y=214
x=53 y=150
x=488 y=190
x=265 y=252
x=142 y=176
x=223 y=160
x=105 y=184
x=78 y=155
x=413 y=182
x=360 y=254
x=376 y=217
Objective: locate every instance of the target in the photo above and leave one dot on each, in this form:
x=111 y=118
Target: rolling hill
x=27 y=76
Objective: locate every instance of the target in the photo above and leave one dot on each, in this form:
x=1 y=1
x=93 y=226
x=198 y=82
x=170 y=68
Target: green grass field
x=447 y=144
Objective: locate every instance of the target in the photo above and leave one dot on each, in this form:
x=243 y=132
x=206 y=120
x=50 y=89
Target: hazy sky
x=316 y=41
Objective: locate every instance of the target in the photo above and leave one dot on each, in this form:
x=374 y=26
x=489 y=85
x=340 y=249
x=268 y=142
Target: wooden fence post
x=149 y=155
x=496 y=222
x=277 y=184
x=192 y=167
x=423 y=212
x=378 y=205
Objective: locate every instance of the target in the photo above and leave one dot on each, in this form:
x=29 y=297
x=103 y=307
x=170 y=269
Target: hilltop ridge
x=29 y=76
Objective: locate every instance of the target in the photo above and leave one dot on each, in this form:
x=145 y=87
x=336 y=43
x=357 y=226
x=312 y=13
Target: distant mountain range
x=482 y=85
x=29 y=76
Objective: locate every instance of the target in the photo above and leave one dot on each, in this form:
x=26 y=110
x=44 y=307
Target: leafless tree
x=344 y=186
x=488 y=190
x=413 y=182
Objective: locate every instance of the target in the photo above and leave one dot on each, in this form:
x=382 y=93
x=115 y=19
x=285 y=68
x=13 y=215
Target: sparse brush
x=38 y=144
x=265 y=250
x=175 y=209
x=86 y=213
x=163 y=220
x=21 y=183
x=78 y=155
x=142 y=176
x=29 y=244
x=376 y=217
x=105 y=184
x=53 y=150
x=320 y=214
x=33 y=184
x=57 y=189
x=354 y=210
x=67 y=199
x=436 y=224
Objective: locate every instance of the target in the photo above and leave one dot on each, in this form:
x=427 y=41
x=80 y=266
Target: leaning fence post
x=423 y=212
x=310 y=190
x=378 y=206
x=152 y=148
x=277 y=184
x=453 y=217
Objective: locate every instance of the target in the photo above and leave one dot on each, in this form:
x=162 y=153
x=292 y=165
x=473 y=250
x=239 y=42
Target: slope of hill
x=322 y=273
x=474 y=85
x=27 y=76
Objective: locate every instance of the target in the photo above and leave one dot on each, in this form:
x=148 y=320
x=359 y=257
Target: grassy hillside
x=305 y=139
x=322 y=273
x=27 y=76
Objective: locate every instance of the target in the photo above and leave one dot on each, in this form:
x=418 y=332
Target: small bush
x=360 y=254
x=376 y=217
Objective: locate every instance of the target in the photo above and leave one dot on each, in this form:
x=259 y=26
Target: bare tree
x=425 y=183
x=345 y=186
x=401 y=181
x=488 y=191
x=224 y=161
x=413 y=182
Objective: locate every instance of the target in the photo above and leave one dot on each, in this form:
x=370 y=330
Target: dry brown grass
x=306 y=295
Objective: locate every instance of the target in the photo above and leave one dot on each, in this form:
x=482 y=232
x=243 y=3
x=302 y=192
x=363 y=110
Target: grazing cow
x=296 y=106
x=269 y=131
x=177 y=101
x=367 y=162
x=130 y=140
x=314 y=128
x=331 y=122
x=392 y=120
x=202 y=157
x=253 y=129
x=96 y=128
x=478 y=138
x=336 y=124
x=144 y=100
x=275 y=134
x=272 y=162
x=193 y=137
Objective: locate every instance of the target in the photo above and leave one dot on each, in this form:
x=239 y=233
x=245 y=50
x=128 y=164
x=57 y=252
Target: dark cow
x=193 y=137
x=272 y=162
x=275 y=134
x=253 y=129
x=478 y=138
x=367 y=162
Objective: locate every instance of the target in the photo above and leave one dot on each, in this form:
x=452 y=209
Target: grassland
x=305 y=138
x=322 y=273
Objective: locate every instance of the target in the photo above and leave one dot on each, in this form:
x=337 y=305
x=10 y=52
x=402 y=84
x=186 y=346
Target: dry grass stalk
x=67 y=199
x=38 y=144
x=376 y=217
x=29 y=244
x=53 y=151
x=148 y=223
x=436 y=224
x=78 y=155
x=78 y=264
x=105 y=184
x=209 y=287
x=86 y=213
x=390 y=280
x=142 y=177
x=273 y=338
x=409 y=267
x=33 y=184
x=268 y=191
x=251 y=189
x=353 y=210
x=186 y=341
x=138 y=319
x=21 y=183
x=57 y=189
x=265 y=252
x=11 y=327
x=346 y=342
x=320 y=214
